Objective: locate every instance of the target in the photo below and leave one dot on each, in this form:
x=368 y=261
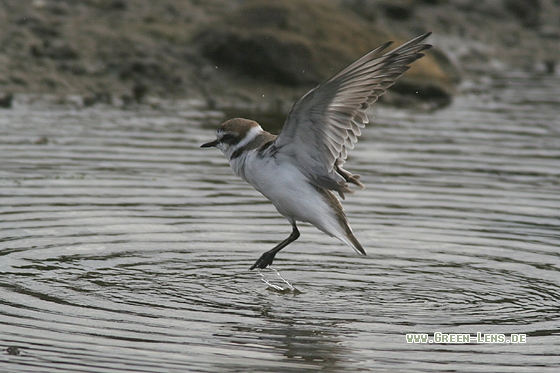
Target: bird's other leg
x=266 y=259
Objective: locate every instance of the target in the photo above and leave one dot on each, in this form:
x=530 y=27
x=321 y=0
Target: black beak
x=210 y=144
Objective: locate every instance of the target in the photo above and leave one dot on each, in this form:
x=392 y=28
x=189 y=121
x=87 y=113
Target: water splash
x=287 y=289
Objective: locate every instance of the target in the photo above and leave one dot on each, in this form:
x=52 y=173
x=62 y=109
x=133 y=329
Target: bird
x=300 y=169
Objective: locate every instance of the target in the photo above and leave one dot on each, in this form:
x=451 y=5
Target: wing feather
x=327 y=121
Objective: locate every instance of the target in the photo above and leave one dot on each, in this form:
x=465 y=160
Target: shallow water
x=124 y=247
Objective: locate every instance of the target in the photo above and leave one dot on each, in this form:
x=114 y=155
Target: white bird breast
x=288 y=189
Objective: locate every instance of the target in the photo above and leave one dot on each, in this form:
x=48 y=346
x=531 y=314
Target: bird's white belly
x=287 y=188
x=291 y=193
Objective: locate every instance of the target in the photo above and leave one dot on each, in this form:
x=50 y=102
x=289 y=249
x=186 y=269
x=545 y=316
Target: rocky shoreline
x=259 y=53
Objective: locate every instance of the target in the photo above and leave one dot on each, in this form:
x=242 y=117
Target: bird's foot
x=264 y=261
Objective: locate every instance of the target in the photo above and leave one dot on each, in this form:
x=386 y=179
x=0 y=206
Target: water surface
x=124 y=247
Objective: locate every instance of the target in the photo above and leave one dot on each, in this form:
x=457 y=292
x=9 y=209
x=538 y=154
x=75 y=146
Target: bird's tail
x=339 y=226
x=353 y=241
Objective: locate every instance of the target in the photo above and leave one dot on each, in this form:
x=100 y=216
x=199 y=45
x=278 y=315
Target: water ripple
x=125 y=247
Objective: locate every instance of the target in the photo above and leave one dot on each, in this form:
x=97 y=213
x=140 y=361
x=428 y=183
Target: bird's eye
x=226 y=138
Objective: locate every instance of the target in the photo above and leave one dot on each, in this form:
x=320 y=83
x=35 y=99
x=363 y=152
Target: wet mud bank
x=260 y=54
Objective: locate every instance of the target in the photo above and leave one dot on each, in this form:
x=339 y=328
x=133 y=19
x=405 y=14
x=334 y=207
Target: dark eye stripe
x=230 y=139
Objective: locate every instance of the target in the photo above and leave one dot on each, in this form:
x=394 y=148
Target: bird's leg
x=266 y=259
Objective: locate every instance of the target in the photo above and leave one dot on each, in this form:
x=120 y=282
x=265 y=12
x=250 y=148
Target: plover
x=299 y=169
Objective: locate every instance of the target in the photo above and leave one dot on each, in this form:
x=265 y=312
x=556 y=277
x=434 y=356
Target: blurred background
x=264 y=53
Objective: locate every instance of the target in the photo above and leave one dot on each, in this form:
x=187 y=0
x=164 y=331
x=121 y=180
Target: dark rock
x=284 y=59
x=6 y=100
x=293 y=43
x=139 y=91
x=527 y=11
x=13 y=350
x=118 y=5
x=407 y=94
x=398 y=10
x=550 y=66
x=300 y=44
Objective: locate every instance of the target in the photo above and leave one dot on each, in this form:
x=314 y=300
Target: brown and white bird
x=299 y=169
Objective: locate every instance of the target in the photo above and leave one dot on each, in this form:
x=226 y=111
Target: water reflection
x=307 y=346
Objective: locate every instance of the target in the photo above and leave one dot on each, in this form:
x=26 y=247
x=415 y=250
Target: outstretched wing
x=326 y=122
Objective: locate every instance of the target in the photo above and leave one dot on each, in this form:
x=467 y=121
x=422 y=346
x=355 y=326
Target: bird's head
x=234 y=134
